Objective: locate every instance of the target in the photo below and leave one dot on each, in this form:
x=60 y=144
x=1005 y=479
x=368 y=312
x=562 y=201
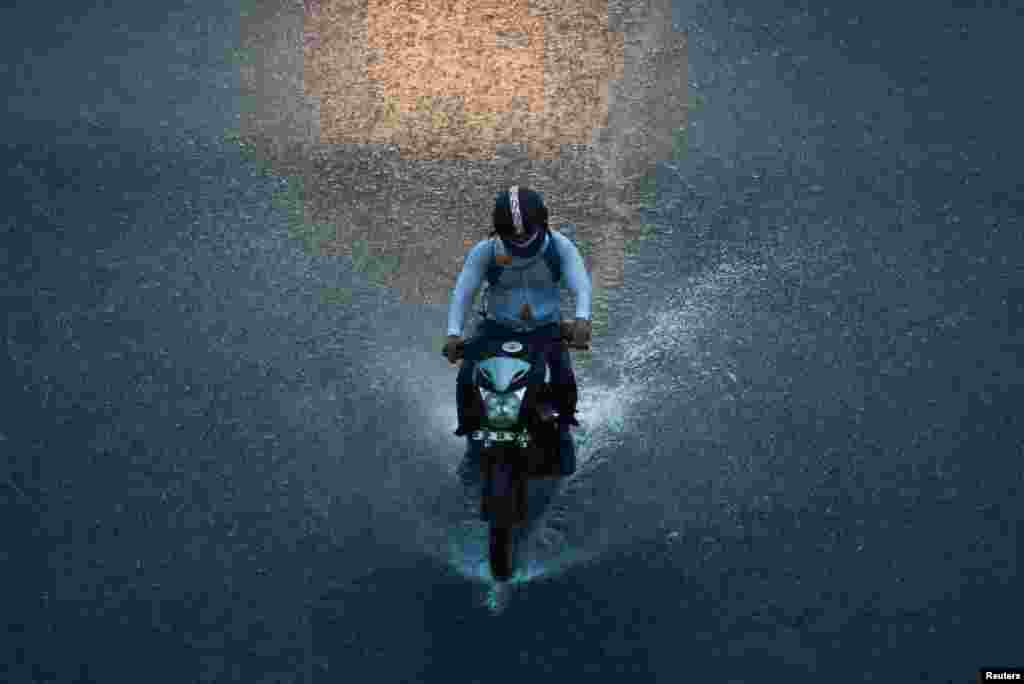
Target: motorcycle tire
x=501 y=552
x=504 y=494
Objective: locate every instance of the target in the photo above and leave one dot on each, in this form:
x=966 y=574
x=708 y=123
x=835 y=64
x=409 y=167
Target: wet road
x=806 y=455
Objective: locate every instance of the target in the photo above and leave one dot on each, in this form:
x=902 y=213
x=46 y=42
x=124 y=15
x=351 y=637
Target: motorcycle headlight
x=503 y=408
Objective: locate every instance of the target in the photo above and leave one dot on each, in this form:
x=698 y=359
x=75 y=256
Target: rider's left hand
x=581 y=332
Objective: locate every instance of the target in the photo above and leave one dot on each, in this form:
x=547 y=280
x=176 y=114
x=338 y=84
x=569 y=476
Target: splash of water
x=602 y=412
x=468 y=556
x=669 y=338
x=688 y=311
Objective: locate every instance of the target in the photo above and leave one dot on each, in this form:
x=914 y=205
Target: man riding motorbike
x=523 y=267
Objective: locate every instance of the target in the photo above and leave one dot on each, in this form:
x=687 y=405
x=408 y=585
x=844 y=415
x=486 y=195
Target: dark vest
x=533 y=278
x=550 y=256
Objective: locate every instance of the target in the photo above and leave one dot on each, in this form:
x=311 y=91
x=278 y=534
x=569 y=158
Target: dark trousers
x=563 y=380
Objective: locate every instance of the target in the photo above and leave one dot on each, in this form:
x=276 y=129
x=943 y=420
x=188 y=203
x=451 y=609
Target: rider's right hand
x=453 y=348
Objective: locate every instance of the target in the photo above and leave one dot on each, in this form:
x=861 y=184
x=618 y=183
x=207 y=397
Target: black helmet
x=519 y=213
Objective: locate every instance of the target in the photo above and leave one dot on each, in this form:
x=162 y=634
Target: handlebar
x=566 y=338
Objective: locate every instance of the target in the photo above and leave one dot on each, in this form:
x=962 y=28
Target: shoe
x=469 y=468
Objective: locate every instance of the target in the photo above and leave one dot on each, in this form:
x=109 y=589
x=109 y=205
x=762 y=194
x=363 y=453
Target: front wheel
x=501 y=552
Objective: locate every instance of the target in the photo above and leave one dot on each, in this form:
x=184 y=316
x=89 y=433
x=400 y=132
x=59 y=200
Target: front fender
x=503 y=495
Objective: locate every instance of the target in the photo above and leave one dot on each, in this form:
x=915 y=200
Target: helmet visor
x=508 y=233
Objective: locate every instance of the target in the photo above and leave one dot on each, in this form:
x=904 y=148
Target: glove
x=453 y=352
x=581 y=332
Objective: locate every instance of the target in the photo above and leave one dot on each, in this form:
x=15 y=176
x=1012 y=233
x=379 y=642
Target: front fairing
x=502 y=374
x=502 y=383
x=507 y=385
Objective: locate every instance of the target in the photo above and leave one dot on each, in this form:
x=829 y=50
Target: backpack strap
x=554 y=260
x=493 y=269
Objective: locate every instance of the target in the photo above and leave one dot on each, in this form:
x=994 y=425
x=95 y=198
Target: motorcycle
x=518 y=439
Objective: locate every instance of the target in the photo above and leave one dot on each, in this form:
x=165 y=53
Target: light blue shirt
x=474 y=271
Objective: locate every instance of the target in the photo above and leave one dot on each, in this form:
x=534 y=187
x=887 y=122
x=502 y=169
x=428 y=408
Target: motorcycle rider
x=523 y=266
